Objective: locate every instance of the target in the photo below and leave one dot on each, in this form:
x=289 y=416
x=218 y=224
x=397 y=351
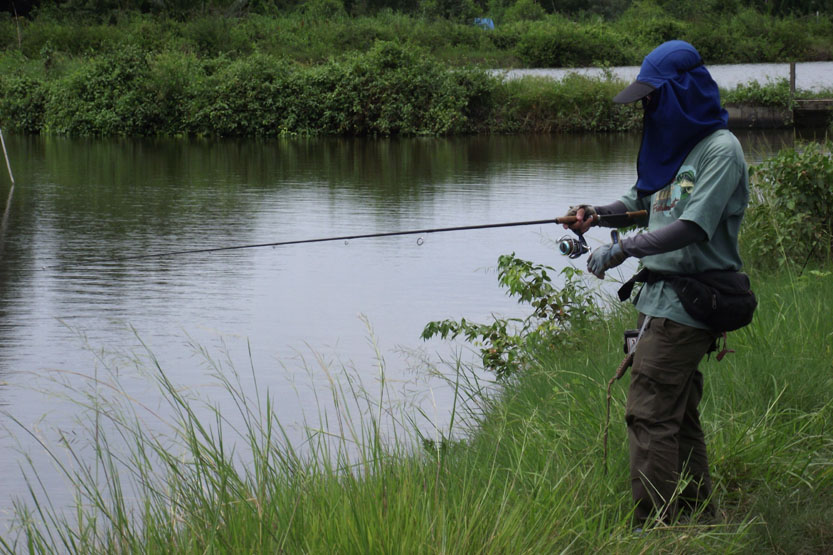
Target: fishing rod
x=620 y=220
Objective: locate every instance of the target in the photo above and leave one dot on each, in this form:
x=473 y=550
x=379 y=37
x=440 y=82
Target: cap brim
x=633 y=92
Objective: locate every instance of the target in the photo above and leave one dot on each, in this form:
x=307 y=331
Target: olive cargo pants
x=664 y=432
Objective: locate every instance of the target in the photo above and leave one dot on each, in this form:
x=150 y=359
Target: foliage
x=575 y=103
x=568 y=44
x=791 y=214
x=24 y=97
x=648 y=24
x=312 y=69
x=524 y=10
x=505 y=344
x=106 y=97
x=773 y=93
x=454 y=10
x=391 y=90
x=314 y=30
x=609 y=9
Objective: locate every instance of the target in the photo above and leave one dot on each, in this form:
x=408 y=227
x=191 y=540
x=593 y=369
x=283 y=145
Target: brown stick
x=626 y=363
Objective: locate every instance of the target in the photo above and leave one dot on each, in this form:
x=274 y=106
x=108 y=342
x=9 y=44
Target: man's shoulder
x=720 y=143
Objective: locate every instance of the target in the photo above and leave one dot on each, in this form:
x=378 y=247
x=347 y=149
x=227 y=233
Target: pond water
x=74 y=310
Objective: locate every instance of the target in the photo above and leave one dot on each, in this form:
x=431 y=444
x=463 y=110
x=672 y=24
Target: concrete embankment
x=806 y=113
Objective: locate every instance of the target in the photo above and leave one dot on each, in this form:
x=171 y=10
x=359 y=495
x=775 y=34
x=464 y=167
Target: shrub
x=572 y=45
x=398 y=90
x=773 y=93
x=22 y=101
x=250 y=96
x=68 y=38
x=507 y=344
x=575 y=103
x=105 y=97
x=323 y=9
x=649 y=25
x=791 y=213
x=391 y=90
x=524 y=10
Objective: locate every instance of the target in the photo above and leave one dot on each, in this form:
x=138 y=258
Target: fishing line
x=624 y=218
x=345 y=238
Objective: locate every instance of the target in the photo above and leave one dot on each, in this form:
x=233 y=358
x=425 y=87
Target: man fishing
x=693 y=180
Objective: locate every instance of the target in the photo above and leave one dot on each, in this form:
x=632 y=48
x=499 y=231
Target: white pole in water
x=5 y=221
x=6 y=154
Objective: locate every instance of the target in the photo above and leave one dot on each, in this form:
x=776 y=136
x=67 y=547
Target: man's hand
x=585 y=217
x=604 y=258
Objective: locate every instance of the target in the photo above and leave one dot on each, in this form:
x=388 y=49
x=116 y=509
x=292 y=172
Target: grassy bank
x=390 y=90
x=529 y=477
x=319 y=68
x=520 y=469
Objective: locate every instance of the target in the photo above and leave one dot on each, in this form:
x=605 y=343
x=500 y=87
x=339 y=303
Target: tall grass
x=523 y=473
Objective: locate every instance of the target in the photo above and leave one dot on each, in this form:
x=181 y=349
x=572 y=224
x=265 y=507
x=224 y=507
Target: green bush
x=398 y=90
x=575 y=103
x=524 y=10
x=105 y=97
x=315 y=30
x=505 y=344
x=763 y=37
x=649 y=25
x=22 y=101
x=568 y=44
x=242 y=97
x=323 y=9
x=773 y=93
x=68 y=38
x=390 y=91
x=791 y=214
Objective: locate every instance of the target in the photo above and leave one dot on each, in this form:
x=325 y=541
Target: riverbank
x=391 y=90
x=525 y=472
x=316 y=68
x=521 y=466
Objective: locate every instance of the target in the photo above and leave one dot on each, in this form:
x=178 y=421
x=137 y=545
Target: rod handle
x=630 y=215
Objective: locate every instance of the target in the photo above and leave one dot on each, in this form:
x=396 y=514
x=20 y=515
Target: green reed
x=522 y=470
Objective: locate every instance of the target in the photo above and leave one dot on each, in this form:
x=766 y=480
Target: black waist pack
x=721 y=299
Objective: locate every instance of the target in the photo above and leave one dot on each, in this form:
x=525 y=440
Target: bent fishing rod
x=614 y=220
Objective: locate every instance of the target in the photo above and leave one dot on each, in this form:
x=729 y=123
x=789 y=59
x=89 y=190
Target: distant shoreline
x=811 y=76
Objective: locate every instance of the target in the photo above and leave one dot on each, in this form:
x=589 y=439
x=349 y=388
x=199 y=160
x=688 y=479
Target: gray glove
x=590 y=215
x=588 y=211
x=604 y=258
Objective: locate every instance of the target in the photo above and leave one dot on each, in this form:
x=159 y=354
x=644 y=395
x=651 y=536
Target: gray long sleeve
x=617 y=207
x=674 y=236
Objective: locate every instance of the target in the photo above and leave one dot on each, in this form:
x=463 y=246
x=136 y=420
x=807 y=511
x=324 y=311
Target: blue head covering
x=684 y=108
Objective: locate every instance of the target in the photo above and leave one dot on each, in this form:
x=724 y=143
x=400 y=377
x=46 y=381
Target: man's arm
x=671 y=237
x=617 y=207
x=675 y=235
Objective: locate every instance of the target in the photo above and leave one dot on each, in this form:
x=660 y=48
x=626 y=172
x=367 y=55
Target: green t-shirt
x=710 y=189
